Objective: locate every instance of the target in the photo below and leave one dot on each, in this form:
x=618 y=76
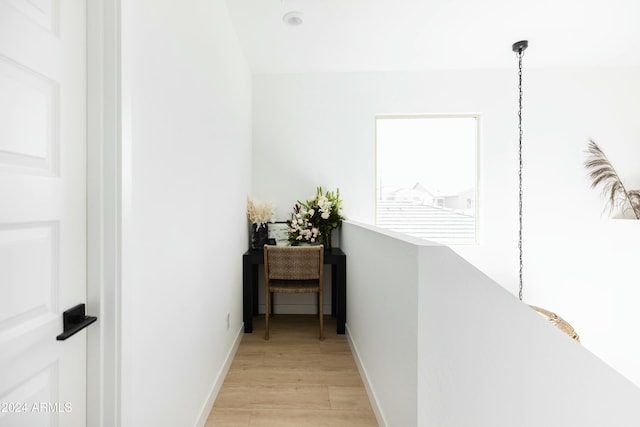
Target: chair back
x=293 y=262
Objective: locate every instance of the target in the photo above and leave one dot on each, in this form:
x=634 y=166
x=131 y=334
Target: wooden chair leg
x=321 y=316
x=267 y=296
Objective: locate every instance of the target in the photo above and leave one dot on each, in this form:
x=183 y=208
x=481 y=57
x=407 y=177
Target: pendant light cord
x=520 y=55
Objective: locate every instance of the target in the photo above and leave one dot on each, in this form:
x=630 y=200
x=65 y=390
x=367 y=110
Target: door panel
x=45 y=13
x=42 y=210
x=28 y=261
x=28 y=145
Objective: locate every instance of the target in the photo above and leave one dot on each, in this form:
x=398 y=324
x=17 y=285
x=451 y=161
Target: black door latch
x=73 y=321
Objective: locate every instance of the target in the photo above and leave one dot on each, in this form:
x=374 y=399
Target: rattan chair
x=293 y=270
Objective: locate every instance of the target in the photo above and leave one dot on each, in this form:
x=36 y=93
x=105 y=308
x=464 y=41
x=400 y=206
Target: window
x=427 y=176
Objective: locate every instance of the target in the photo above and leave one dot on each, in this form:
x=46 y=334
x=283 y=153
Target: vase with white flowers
x=259 y=214
x=313 y=221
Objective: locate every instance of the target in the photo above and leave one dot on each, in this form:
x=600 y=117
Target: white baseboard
x=373 y=400
x=217 y=384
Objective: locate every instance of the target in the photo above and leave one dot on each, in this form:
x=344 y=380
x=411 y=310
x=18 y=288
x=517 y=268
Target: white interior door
x=42 y=210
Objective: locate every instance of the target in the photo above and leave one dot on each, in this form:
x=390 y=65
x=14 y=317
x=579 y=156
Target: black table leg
x=341 y=294
x=254 y=286
x=334 y=280
x=248 y=279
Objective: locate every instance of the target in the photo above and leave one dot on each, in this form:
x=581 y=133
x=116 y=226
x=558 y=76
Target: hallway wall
x=188 y=95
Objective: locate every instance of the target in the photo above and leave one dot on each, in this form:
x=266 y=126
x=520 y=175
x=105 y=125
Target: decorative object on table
x=259 y=215
x=279 y=232
x=602 y=173
x=563 y=325
x=314 y=220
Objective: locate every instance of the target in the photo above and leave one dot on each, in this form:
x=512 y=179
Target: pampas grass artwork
x=604 y=175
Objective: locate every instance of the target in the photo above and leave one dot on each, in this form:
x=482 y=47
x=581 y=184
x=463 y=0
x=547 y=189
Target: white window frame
x=477 y=147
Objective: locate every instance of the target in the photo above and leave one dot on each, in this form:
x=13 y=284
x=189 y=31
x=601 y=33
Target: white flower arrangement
x=300 y=227
x=313 y=220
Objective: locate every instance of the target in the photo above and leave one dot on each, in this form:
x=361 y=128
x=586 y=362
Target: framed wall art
x=279 y=231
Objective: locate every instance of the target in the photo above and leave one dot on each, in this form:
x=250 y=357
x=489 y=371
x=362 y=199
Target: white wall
x=441 y=344
x=318 y=129
x=187 y=91
x=383 y=319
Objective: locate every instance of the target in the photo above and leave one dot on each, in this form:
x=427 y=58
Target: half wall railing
x=439 y=343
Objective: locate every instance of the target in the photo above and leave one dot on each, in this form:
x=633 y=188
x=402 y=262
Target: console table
x=254 y=258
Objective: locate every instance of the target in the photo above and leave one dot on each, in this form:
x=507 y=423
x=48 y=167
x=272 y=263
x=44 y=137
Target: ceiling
x=373 y=35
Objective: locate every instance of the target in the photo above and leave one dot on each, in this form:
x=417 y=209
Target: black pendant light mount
x=520 y=46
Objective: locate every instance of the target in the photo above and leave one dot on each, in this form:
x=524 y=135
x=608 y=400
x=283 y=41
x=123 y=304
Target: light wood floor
x=293 y=379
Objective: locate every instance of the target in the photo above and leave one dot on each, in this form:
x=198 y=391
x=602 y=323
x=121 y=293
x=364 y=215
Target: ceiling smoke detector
x=293 y=19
